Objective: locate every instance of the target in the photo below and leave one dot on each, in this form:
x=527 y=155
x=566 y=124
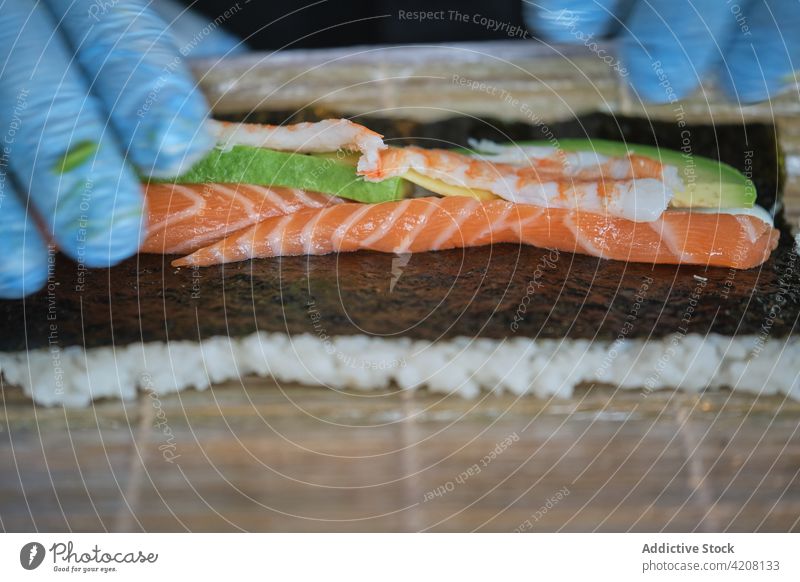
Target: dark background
x=341 y=23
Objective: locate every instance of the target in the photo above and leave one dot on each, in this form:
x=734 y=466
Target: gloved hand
x=669 y=47
x=89 y=91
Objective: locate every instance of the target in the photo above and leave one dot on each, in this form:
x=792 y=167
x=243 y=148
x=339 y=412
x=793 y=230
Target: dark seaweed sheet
x=462 y=292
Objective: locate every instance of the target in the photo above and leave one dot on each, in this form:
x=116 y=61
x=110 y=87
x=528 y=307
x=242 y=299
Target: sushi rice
x=466 y=367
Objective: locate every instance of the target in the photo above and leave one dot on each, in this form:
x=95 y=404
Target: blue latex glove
x=197 y=36
x=751 y=47
x=89 y=90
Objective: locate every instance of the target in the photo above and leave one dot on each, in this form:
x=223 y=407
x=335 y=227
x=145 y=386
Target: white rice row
x=74 y=376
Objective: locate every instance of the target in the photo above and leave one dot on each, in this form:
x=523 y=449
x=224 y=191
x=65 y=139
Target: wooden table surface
x=259 y=457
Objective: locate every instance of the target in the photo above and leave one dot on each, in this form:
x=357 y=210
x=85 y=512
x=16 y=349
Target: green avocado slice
x=709 y=183
x=328 y=175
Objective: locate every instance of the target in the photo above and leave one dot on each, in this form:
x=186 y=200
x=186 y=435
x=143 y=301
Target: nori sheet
x=495 y=292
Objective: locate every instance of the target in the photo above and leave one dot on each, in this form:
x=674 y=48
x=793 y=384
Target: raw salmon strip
x=185 y=217
x=430 y=224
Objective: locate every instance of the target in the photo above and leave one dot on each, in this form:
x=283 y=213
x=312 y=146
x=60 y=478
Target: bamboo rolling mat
x=259 y=457
x=263 y=458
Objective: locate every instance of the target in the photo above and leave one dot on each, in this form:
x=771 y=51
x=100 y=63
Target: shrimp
x=635 y=188
x=580 y=165
x=325 y=136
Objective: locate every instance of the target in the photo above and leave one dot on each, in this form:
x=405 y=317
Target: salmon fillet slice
x=430 y=224
x=182 y=218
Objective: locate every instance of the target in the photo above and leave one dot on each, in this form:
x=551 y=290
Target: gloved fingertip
x=24 y=260
x=669 y=47
x=655 y=80
x=109 y=242
x=742 y=87
x=172 y=136
x=573 y=21
x=24 y=269
x=98 y=219
x=30 y=277
x=763 y=55
x=192 y=33
x=220 y=47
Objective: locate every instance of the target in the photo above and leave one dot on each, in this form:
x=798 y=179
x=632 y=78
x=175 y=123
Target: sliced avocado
x=343 y=156
x=329 y=175
x=709 y=183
